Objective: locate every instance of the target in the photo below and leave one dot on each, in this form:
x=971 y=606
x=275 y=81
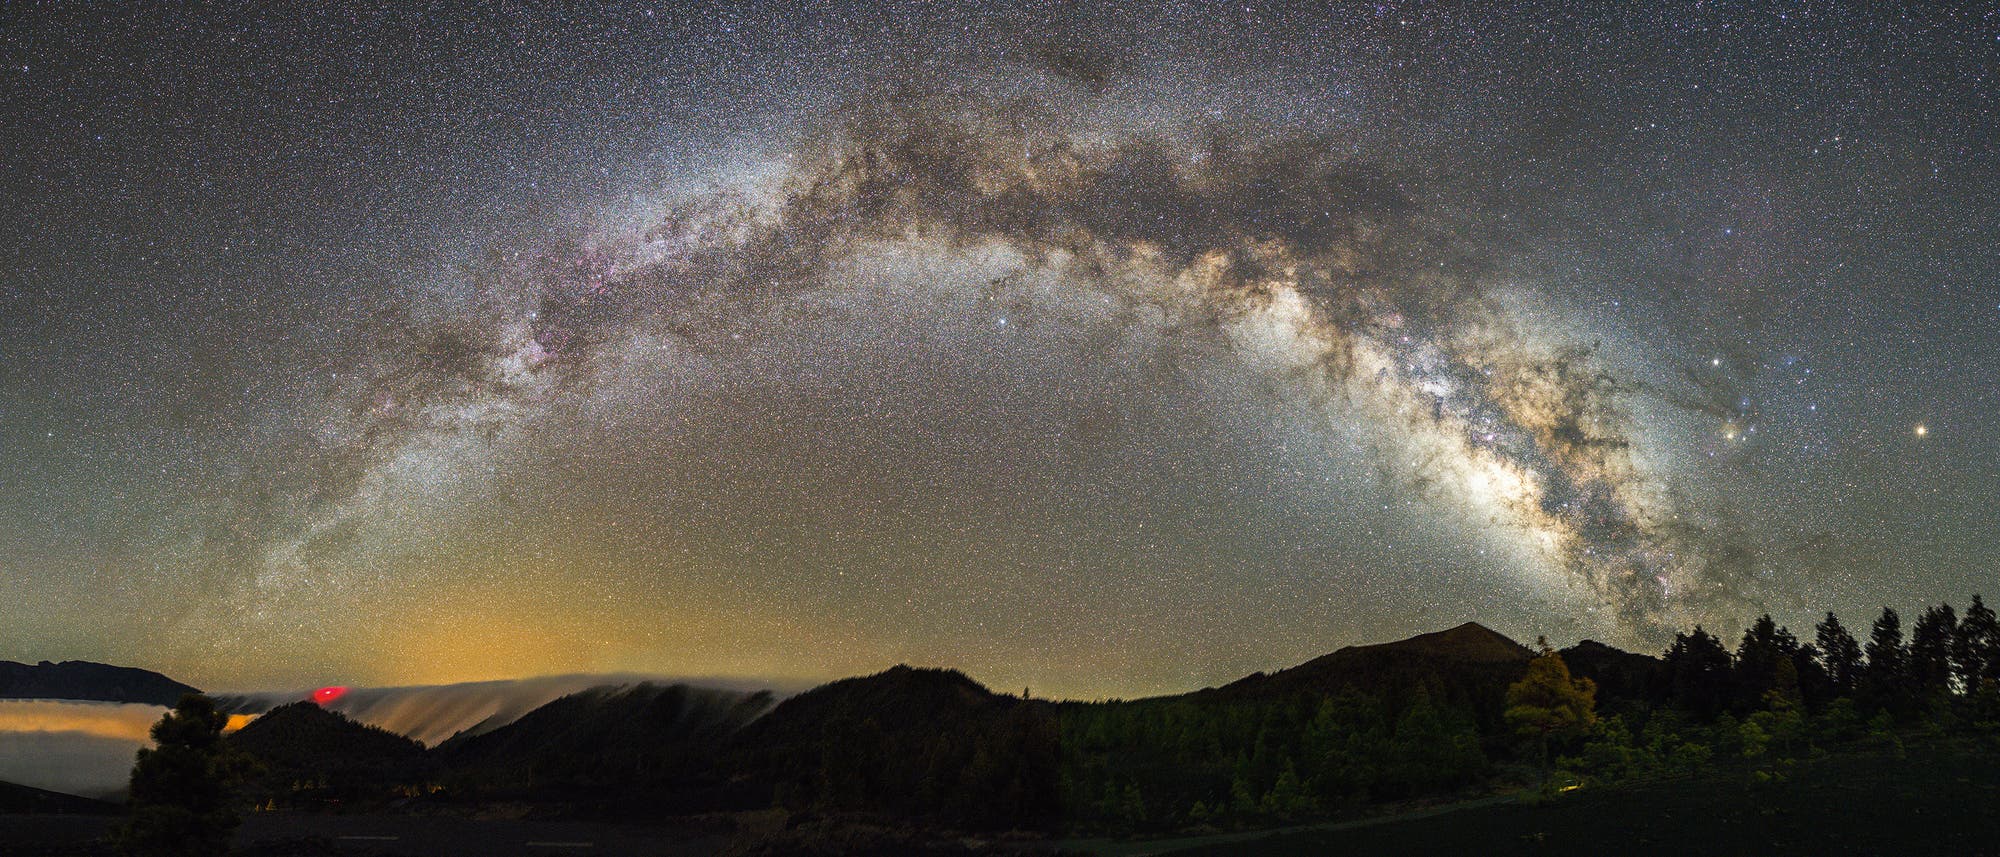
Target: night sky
x=1102 y=350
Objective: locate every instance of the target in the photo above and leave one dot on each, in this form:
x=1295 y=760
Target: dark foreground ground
x=1940 y=799
x=1936 y=800
x=284 y=834
x=287 y=833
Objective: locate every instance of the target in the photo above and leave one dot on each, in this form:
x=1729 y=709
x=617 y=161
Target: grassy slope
x=1938 y=800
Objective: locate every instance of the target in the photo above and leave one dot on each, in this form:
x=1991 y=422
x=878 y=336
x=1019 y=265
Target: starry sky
x=1101 y=349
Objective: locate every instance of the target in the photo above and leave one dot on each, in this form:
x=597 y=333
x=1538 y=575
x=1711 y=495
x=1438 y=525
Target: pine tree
x=1132 y=805
x=1432 y=746
x=1930 y=652
x=1699 y=668
x=1781 y=720
x=1975 y=650
x=1887 y=676
x=1548 y=702
x=1815 y=689
x=184 y=787
x=1242 y=797
x=1841 y=654
x=1288 y=799
x=1765 y=645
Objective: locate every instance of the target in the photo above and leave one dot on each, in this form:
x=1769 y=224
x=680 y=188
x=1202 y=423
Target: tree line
x=1776 y=699
x=1194 y=762
x=1948 y=661
x=930 y=746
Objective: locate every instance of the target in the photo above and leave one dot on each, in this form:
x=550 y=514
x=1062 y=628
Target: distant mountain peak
x=906 y=674
x=1469 y=649
x=1470 y=641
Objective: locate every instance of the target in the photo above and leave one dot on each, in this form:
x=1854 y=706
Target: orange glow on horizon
x=124 y=722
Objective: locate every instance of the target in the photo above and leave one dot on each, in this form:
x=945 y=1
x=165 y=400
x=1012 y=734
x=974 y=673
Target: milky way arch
x=1368 y=288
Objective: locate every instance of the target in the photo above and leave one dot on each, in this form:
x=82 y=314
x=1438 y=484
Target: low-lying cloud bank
x=81 y=748
x=432 y=713
x=86 y=748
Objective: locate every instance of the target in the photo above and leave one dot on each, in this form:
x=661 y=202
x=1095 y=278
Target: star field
x=1107 y=350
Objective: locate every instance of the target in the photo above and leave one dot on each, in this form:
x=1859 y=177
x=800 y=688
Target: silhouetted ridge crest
x=912 y=742
x=631 y=750
x=1467 y=668
x=594 y=720
x=311 y=757
x=304 y=735
x=1442 y=654
x=89 y=681
x=901 y=685
x=1471 y=642
x=1624 y=679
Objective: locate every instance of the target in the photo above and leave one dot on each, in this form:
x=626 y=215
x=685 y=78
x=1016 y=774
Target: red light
x=328 y=694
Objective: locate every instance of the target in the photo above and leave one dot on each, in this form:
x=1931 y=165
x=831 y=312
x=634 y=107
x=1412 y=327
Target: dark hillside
x=659 y=738
x=309 y=754
x=1625 y=680
x=88 y=681
x=1467 y=667
x=17 y=798
x=920 y=743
